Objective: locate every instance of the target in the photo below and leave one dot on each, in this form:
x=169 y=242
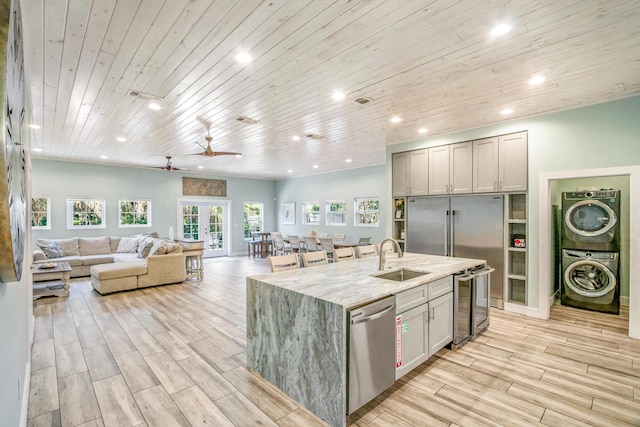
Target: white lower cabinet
x=426 y=328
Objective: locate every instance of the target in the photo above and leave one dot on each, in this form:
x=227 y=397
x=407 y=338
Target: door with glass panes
x=207 y=222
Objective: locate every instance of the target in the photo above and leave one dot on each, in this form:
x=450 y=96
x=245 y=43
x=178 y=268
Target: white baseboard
x=524 y=310
x=624 y=301
x=24 y=399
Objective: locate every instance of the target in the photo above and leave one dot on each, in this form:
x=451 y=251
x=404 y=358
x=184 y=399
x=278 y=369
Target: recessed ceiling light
x=295 y=138
x=121 y=139
x=500 y=30
x=104 y=157
x=315 y=166
x=338 y=95
x=200 y=167
x=506 y=111
x=38 y=150
x=34 y=126
x=395 y=119
x=348 y=160
x=536 y=80
x=290 y=171
x=154 y=105
x=243 y=58
x=238 y=156
x=423 y=130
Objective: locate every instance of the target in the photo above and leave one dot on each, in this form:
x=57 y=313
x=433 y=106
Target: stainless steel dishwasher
x=371 y=351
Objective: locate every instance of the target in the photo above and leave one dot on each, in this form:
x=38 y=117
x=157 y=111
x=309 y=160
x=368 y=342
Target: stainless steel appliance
x=372 y=337
x=461 y=226
x=470 y=304
x=590 y=220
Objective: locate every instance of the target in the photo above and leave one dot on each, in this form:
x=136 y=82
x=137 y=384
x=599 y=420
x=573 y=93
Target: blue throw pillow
x=51 y=250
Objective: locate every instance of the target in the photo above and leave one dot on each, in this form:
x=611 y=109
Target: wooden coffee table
x=51 y=281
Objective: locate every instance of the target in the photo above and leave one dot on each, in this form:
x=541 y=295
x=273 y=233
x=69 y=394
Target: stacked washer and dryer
x=591 y=250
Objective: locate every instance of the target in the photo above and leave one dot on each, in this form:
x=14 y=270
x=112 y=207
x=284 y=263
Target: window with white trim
x=311 y=213
x=336 y=212
x=86 y=213
x=40 y=213
x=134 y=213
x=367 y=211
x=253 y=221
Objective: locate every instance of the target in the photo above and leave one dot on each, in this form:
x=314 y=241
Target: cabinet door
x=440 y=322
x=400 y=168
x=513 y=162
x=439 y=170
x=414 y=338
x=485 y=165
x=419 y=173
x=461 y=168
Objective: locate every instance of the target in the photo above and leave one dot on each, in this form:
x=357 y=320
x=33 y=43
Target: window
x=367 y=209
x=86 y=213
x=135 y=213
x=252 y=219
x=41 y=213
x=336 y=212
x=310 y=213
x=190 y=222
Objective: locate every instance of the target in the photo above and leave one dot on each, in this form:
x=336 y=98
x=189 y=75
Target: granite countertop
x=352 y=283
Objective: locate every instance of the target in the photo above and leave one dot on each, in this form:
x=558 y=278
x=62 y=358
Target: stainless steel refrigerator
x=461 y=226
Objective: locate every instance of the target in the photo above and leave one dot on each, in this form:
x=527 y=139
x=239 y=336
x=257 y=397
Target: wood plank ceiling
x=431 y=62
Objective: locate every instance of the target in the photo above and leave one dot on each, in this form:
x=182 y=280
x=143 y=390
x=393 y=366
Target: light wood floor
x=174 y=355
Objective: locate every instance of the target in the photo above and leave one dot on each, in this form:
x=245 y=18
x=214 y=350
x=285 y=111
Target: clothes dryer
x=591 y=220
x=590 y=280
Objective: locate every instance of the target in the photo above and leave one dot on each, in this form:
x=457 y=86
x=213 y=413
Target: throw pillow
x=156 y=249
x=69 y=246
x=128 y=245
x=173 y=248
x=52 y=250
x=144 y=247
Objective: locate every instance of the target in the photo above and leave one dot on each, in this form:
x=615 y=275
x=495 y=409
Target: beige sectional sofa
x=116 y=263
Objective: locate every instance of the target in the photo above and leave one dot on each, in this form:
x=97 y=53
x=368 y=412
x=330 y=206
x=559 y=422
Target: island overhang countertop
x=354 y=283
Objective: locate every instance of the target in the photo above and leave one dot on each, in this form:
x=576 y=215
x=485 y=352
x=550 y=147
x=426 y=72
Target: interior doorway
x=207 y=221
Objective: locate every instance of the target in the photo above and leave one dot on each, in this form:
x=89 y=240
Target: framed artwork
x=288 y=213
x=13 y=205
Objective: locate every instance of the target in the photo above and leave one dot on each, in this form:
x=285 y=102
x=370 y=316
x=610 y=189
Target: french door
x=206 y=221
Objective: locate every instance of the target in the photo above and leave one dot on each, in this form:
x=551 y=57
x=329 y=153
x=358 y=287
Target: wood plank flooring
x=175 y=355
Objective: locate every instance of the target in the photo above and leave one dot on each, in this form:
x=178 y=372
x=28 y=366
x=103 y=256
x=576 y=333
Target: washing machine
x=591 y=220
x=590 y=280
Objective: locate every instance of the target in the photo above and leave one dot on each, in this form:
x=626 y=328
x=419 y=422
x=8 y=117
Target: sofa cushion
x=69 y=246
x=118 y=257
x=128 y=245
x=97 y=259
x=121 y=269
x=52 y=250
x=94 y=245
x=145 y=246
x=74 y=261
x=114 y=241
x=173 y=248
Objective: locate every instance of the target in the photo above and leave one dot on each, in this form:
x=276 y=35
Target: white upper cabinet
x=410 y=173
x=450 y=169
x=500 y=163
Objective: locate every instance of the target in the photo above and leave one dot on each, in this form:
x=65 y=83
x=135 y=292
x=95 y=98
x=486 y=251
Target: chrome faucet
x=382 y=256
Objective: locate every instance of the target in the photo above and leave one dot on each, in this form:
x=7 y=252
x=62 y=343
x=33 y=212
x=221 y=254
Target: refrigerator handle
x=452 y=223
x=446 y=233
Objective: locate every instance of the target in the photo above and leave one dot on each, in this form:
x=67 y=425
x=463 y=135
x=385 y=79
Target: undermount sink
x=401 y=275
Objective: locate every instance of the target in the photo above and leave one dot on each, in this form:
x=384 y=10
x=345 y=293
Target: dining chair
x=339 y=237
x=279 y=247
x=294 y=242
x=343 y=254
x=310 y=243
x=327 y=246
x=367 y=251
x=364 y=241
x=284 y=262
x=311 y=259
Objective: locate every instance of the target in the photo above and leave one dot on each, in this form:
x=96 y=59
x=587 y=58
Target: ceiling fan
x=169 y=167
x=208 y=152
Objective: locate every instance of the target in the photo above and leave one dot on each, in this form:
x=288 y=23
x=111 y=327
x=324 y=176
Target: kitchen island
x=297 y=332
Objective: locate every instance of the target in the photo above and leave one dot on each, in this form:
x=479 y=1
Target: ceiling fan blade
x=225 y=153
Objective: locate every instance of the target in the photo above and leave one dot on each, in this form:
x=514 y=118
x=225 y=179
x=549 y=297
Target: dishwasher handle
x=373 y=316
